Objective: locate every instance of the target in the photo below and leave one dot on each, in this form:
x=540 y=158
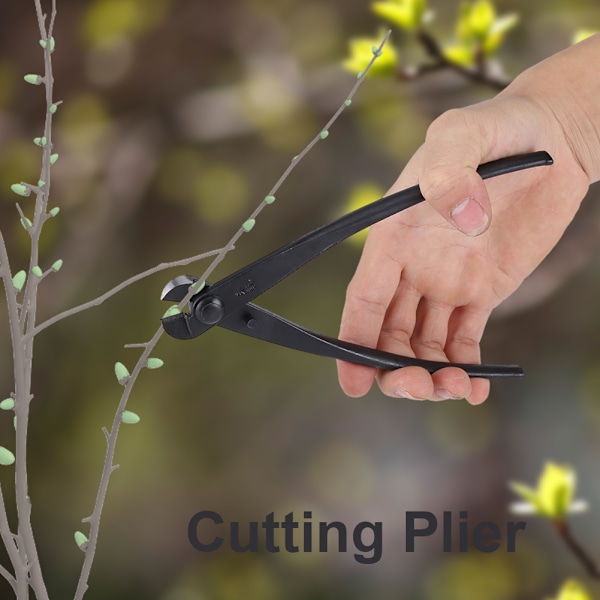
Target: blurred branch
x=478 y=74
x=563 y=529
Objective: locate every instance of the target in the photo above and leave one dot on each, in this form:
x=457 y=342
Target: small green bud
x=20 y=189
x=40 y=141
x=37 y=271
x=26 y=223
x=347 y=102
x=296 y=157
x=121 y=372
x=54 y=211
x=324 y=134
x=129 y=418
x=7 y=404
x=6 y=457
x=33 y=79
x=57 y=265
x=154 y=363
x=171 y=311
x=197 y=286
x=248 y=225
x=53 y=108
x=270 y=199
x=19 y=280
x=43 y=44
x=41 y=183
x=376 y=51
x=80 y=539
x=360 y=74
x=53 y=158
x=52 y=44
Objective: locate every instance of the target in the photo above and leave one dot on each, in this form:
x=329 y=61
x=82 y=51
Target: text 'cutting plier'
x=228 y=302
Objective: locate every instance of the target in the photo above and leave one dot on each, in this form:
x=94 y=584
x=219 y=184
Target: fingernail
x=469 y=217
x=404 y=394
x=444 y=394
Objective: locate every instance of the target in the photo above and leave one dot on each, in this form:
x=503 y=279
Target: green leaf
x=53 y=108
x=6 y=457
x=347 y=102
x=53 y=158
x=26 y=223
x=249 y=225
x=37 y=271
x=361 y=54
x=40 y=141
x=80 y=539
x=129 y=418
x=52 y=44
x=324 y=134
x=43 y=44
x=19 y=280
x=7 y=404
x=154 y=363
x=20 y=189
x=269 y=199
x=33 y=79
x=171 y=311
x=54 y=211
x=56 y=266
x=41 y=183
x=573 y=590
x=197 y=286
x=121 y=372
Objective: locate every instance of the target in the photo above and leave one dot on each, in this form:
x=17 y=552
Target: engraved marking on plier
x=246 y=288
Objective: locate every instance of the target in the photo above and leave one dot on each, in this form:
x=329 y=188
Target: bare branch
x=119 y=288
x=590 y=566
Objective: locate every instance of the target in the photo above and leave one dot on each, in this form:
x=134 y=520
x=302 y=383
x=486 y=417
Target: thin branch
x=96 y=302
x=112 y=436
x=9 y=577
x=591 y=567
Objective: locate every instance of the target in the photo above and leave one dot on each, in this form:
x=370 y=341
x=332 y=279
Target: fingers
x=367 y=299
x=442 y=333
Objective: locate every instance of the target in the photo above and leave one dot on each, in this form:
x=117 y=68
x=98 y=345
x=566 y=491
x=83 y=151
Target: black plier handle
x=228 y=302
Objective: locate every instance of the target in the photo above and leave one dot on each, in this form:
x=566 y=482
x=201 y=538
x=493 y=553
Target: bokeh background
x=178 y=117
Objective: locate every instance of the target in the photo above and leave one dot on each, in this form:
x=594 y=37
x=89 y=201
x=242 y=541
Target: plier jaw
x=204 y=310
x=227 y=303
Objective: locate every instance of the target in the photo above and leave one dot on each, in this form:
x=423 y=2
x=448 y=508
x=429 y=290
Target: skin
x=430 y=276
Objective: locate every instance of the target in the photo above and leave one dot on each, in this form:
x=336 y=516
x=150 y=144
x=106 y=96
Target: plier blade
x=227 y=303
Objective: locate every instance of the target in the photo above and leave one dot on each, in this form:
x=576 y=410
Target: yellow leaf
x=406 y=14
x=361 y=53
x=573 y=590
x=362 y=194
x=583 y=34
x=461 y=54
x=498 y=31
x=556 y=487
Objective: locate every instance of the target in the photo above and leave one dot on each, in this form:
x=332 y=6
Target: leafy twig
x=112 y=435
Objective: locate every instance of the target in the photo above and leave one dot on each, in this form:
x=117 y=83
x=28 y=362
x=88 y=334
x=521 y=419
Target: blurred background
x=178 y=117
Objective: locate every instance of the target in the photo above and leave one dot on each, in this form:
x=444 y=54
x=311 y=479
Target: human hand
x=422 y=287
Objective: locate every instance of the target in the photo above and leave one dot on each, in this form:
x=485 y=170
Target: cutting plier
x=228 y=303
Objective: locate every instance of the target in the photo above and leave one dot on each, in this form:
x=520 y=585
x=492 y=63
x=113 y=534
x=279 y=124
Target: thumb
x=456 y=144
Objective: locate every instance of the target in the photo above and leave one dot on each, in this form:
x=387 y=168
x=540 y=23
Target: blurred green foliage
x=177 y=119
